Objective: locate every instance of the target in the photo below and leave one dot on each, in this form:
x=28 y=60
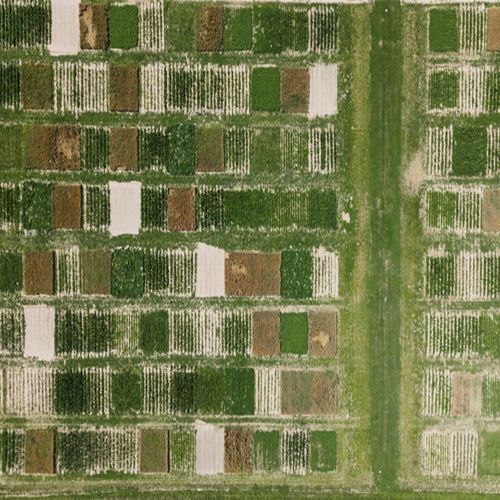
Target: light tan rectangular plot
x=209 y=271
x=65 y=27
x=322 y=333
x=322 y=90
x=39 y=331
x=493 y=39
x=266 y=335
x=125 y=207
x=154 y=451
x=491 y=210
x=209 y=449
x=466 y=393
x=39 y=451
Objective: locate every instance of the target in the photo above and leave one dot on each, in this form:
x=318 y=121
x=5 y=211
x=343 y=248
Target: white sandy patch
x=125 y=207
x=65 y=27
x=209 y=449
x=346 y=217
x=39 y=331
x=210 y=280
x=322 y=90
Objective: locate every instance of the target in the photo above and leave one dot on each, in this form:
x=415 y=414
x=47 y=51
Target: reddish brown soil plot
x=123 y=149
x=253 y=274
x=266 y=336
x=124 y=85
x=39 y=451
x=67 y=207
x=466 y=393
x=238 y=450
x=322 y=333
x=94 y=27
x=493 y=30
x=181 y=209
x=491 y=210
x=154 y=451
x=96 y=272
x=39 y=273
x=209 y=36
x=294 y=90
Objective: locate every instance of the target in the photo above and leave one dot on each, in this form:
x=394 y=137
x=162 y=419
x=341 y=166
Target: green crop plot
x=239 y=387
x=95 y=148
x=322 y=209
x=296 y=274
x=266 y=451
x=267 y=29
x=294 y=333
x=182 y=392
x=126 y=393
x=443 y=90
x=154 y=332
x=490 y=456
x=469 y=151
x=266 y=154
x=180 y=20
x=323 y=451
x=36 y=206
x=266 y=89
x=123 y=26
x=10 y=85
x=11 y=272
x=182 y=149
x=238 y=29
x=127 y=273
x=440 y=276
x=11 y=145
x=443 y=30
x=209 y=391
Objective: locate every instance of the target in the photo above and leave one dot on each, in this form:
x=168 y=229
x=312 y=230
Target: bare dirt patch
x=294 y=90
x=39 y=451
x=493 y=29
x=154 y=451
x=94 y=34
x=491 y=210
x=67 y=207
x=266 y=339
x=322 y=333
x=96 y=272
x=123 y=149
x=466 y=393
x=238 y=450
x=181 y=209
x=54 y=147
x=415 y=174
x=252 y=273
x=209 y=36
x=124 y=88
x=210 y=149
x=39 y=273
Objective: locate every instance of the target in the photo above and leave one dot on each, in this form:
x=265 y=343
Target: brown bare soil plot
x=209 y=36
x=294 y=90
x=67 y=207
x=39 y=273
x=238 y=450
x=466 y=393
x=493 y=29
x=96 y=272
x=491 y=210
x=210 y=149
x=266 y=337
x=181 y=209
x=309 y=393
x=154 y=451
x=54 y=147
x=123 y=149
x=253 y=273
x=94 y=33
x=39 y=451
x=322 y=333
x=124 y=88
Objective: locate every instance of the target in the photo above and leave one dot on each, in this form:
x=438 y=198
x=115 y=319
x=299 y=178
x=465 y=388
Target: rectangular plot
x=156 y=384
x=96 y=207
x=152 y=26
x=472 y=29
x=10 y=206
x=440 y=150
x=12 y=331
x=237 y=150
x=436 y=393
x=323 y=27
x=466 y=393
x=10 y=85
x=182 y=451
x=209 y=449
x=294 y=452
x=95 y=148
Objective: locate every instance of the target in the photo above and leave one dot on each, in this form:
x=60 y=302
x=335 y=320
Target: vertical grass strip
x=153 y=88
x=267 y=391
x=67 y=279
x=152 y=26
x=472 y=29
x=237 y=150
x=436 y=393
x=440 y=150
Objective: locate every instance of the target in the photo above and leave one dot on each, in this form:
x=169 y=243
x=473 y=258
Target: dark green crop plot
x=490 y=404
x=296 y=274
x=11 y=442
x=10 y=85
x=182 y=149
x=443 y=30
x=294 y=333
x=239 y=387
x=11 y=272
x=492 y=94
x=489 y=455
x=95 y=148
x=440 y=276
x=267 y=29
x=210 y=209
x=266 y=151
x=443 y=89
x=123 y=26
x=265 y=89
x=182 y=392
x=266 y=451
x=469 y=151
x=489 y=333
x=127 y=273
x=236 y=334
x=238 y=29
x=126 y=392
x=10 y=204
x=441 y=208
x=36 y=205
x=209 y=391
x=70 y=395
x=323 y=451
x=11 y=146
x=153 y=208
x=153 y=149
x=322 y=209
x=154 y=332
x=294 y=30
x=249 y=208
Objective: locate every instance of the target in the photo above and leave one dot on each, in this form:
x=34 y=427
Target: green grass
x=266 y=451
x=180 y=22
x=296 y=274
x=489 y=455
x=440 y=276
x=10 y=85
x=126 y=392
x=443 y=89
x=182 y=149
x=239 y=387
x=469 y=151
x=265 y=89
x=294 y=333
x=11 y=145
x=209 y=390
x=11 y=272
x=182 y=392
x=153 y=328
x=322 y=209
x=123 y=26
x=267 y=29
x=36 y=206
x=443 y=30
x=237 y=29
x=127 y=273
x=323 y=451
x=266 y=152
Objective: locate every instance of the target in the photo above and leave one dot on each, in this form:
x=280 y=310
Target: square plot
x=210 y=149
x=294 y=90
x=323 y=451
x=322 y=333
x=322 y=209
x=37 y=86
x=238 y=450
x=123 y=26
x=466 y=393
x=294 y=333
x=309 y=393
x=489 y=459
x=125 y=208
x=67 y=207
x=181 y=209
x=322 y=90
x=209 y=36
x=154 y=451
x=265 y=89
x=237 y=28
x=39 y=273
x=443 y=89
x=39 y=451
x=96 y=272
x=266 y=337
x=209 y=449
x=469 y=151
x=39 y=332
x=94 y=27
x=65 y=32
x=443 y=30
x=124 y=88
x=493 y=29
x=252 y=274
x=491 y=210
x=123 y=149
x=266 y=445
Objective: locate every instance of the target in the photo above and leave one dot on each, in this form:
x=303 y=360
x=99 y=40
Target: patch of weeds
x=180 y=21
x=296 y=274
x=11 y=146
x=127 y=273
x=238 y=29
x=153 y=328
x=266 y=152
x=239 y=387
x=323 y=451
x=123 y=26
x=267 y=29
x=126 y=392
x=36 y=206
x=294 y=333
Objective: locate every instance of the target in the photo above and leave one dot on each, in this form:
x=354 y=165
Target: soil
x=493 y=30
x=123 y=150
x=94 y=34
x=466 y=393
x=294 y=90
x=238 y=450
x=96 y=272
x=124 y=88
x=154 y=451
x=181 y=209
x=322 y=333
x=67 y=207
x=266 y=338
x=209 y=36
x=210 y=150
x=491 y=210
x=309 y=393
x=39 y=273
x=253 y=274
x=39 y=451
x=37 y=86
x=54 y=147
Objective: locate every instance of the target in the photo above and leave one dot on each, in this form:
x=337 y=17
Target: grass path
x=385 y=280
